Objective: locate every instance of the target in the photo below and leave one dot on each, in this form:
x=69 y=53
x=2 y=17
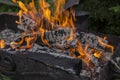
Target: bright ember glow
x=46 y=20
x=2 y=44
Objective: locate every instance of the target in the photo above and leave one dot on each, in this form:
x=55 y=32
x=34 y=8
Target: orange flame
x=97 y=53
x=47 y=19
x=2 y=44
x=84 y=55
x=106 y=45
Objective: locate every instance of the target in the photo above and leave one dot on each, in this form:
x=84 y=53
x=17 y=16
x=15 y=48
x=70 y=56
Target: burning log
x=61 y=43
x=59 y=38
x=85 y=38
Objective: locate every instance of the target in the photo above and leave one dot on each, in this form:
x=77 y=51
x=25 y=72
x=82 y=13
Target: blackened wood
x=33 y=65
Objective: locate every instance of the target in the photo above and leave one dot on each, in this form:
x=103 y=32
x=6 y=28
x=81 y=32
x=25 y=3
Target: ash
x=9 y=35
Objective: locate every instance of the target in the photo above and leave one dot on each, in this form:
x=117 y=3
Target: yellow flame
x=22 y=6
x=44 y=6
x=48 y=19
x=97 y=55
x=83 y=54
x=60 y=16
x=42 y=31
x=59 y=4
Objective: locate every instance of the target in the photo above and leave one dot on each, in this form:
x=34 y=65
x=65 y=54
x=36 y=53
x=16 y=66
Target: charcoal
x=23 y=28
x=27 y=23
x=92 y=41
x=9 y=35
x=57 y=35
x=58 y=38
x=64 y=44
x=95 y=61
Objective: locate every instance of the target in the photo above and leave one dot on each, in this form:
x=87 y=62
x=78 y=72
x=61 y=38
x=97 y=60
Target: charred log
x=42 y=64
x=22 y=65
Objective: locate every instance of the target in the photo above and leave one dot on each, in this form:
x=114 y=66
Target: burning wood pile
x=53 y=31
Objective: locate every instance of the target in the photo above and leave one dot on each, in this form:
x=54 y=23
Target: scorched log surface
x=29 y=65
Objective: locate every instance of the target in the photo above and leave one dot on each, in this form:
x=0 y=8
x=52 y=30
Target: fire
x=42 y=36
x=2 y=43
x=83 y=54
x=46 y=20
x=97 y=53
x=106 y=45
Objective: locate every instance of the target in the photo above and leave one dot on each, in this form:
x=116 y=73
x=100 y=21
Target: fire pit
x=47 y=46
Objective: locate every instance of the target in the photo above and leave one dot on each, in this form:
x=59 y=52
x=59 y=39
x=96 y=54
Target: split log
x=38 y=65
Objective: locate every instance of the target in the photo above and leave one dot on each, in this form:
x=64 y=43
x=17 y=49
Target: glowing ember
x=2 y=44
